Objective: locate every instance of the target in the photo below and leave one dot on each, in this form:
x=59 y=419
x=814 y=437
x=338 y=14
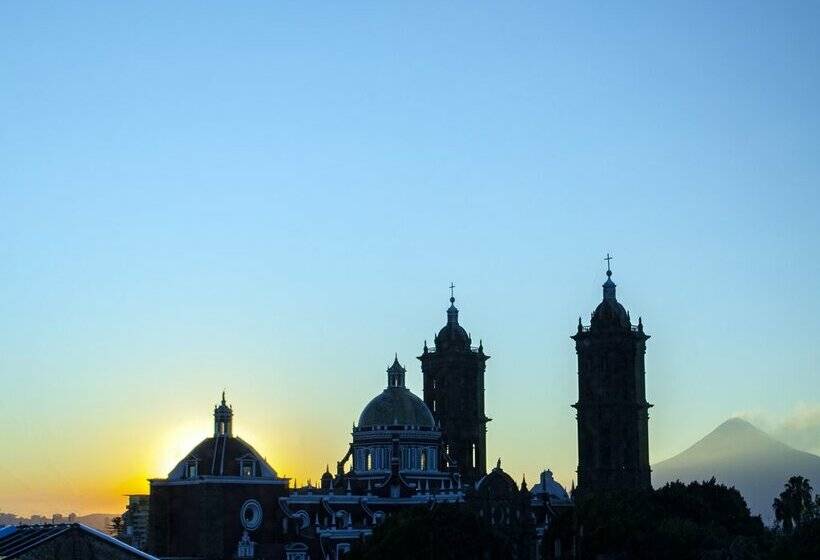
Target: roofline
x=90 y=530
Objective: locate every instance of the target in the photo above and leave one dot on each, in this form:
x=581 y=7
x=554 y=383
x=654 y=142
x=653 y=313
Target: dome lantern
x=223 y=419
x=395 y=374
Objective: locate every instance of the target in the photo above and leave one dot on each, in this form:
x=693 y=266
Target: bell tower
x=453 y=373
x=612 y=412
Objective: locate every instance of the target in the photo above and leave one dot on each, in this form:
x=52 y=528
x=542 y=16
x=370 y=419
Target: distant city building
x=612 y=411
x=57 y=518
x=63 y=541
x=72 y=517
x=134 y=530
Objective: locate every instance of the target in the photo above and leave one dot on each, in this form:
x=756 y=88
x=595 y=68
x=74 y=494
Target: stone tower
x=612 y=412
x=454 y=392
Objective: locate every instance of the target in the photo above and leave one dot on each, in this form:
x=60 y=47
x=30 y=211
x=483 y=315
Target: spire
x=395 y=373
x=223 y=397
x=609 y=285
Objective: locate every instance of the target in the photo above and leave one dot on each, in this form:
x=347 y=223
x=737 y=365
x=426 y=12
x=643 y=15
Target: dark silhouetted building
x=612 y=412
x=63 y=541
x=453 y=374
x=219 y=496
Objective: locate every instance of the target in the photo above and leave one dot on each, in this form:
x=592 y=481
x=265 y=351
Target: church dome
x=610 y=313
x=222 y=456
x=396 y=405
x=550 y=488
x=497 y=483
x=452 y=334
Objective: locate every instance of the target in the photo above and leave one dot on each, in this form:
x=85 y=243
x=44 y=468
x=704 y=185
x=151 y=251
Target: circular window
x=251 y=515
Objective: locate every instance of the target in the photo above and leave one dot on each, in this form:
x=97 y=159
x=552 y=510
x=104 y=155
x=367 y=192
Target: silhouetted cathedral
x=454 y=392
x=612 y=412
x=223 y=500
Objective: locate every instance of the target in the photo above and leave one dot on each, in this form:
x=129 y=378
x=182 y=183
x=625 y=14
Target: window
x=434 y=405
x=473 y=457
x=368 y=460
x=247 y=467
x=251 y=515
x=424 y=459
x=191 y=471
x=222 y=428
x=435 y=385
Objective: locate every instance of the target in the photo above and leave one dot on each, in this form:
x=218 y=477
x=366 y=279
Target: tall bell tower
x=453 y=374
x=612 y=412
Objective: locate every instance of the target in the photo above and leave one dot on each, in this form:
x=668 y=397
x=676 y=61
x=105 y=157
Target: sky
x=273 y=198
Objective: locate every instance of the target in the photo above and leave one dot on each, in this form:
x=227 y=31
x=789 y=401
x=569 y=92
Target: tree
x=443 y=533
x=115 y=526
x=677 y=522
x=795 y=506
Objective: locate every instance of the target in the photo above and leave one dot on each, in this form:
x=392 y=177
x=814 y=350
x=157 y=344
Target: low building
x=64 y=540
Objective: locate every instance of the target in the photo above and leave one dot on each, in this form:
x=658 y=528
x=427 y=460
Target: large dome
x=396 y=406
x=222 y=456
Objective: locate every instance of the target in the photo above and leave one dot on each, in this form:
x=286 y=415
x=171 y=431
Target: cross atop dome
x=609 y=285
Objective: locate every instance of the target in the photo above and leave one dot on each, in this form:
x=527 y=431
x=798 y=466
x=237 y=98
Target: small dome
x=452 y=334
x=396 y=406
x=497 y=483
x=549 y=486
x=610 y=313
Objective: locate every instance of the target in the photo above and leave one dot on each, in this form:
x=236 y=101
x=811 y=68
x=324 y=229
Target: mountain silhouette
x=738 y=454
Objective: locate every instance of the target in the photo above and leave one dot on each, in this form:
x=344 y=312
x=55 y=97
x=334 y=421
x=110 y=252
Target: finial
x=425 y=347
x=498 y=464
x=608 y=269
x=223 y=397
x=452 y=293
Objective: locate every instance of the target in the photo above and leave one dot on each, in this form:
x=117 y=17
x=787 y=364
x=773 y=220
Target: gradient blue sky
x=274 y=197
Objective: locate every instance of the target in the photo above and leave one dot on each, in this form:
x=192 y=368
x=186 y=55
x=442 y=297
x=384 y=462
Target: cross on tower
x=607 y=259
x=452 y=287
